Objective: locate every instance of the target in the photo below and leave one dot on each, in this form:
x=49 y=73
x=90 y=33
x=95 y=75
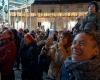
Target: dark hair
x=26 y=30
x=93 y=37
x=95 y=4
x=15 y=33
x=10 y=33
x=68 y=35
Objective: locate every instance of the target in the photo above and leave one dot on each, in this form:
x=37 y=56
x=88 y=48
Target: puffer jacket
x=87 y=70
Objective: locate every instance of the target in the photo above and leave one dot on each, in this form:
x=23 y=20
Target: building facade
x=53 y=16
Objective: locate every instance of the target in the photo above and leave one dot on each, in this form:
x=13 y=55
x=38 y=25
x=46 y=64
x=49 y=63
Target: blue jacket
x=87 y=70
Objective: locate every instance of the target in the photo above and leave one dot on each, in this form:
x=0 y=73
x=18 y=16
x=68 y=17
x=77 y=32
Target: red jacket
x=7 y=57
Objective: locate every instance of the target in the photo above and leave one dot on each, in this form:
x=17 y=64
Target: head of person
x=28 y=39
x=66 y=38
x=14 y=31
x=4 y=28
x=93 y=7
x=49 y=41
x=84 y=47
x=55 y=33
x=7 y=35
x=20 y=30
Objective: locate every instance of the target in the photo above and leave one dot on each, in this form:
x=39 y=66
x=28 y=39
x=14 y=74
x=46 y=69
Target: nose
x=75 y=46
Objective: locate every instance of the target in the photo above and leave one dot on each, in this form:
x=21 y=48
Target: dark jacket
x=29 y=56
x=75 y=29
x=88 y=70
x=91 y=18
x=29 y=61
x=44 y=60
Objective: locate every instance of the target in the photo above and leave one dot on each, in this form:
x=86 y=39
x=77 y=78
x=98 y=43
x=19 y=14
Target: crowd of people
x=66 y=55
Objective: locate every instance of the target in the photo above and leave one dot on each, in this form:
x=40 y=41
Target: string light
x=61 y=14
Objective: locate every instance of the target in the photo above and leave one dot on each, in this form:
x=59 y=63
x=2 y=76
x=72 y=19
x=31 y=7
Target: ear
x=96 y=50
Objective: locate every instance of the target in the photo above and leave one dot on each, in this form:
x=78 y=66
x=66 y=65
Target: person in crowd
x=33 y=33
x=21 y=33
x=47 y=33
x=58 y=54
x=93 y=16
x=40 y=39
x=84 y=62
x=17 y=41
x=75 y=29
x=55 y=36
x=25 y=31
x=29 y=58
x=44 y=58
x=7 y=55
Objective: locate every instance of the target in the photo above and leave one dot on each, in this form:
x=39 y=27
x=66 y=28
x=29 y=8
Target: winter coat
x=56 y=62
x=44 y=60
x=29 y=58
x=86 y=70
x=7 y=57
x=91 y=18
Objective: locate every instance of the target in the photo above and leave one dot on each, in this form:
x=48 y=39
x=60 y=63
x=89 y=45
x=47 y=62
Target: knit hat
x=29 y=36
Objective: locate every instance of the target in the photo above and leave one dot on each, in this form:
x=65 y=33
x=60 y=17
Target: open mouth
x=76 y=52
